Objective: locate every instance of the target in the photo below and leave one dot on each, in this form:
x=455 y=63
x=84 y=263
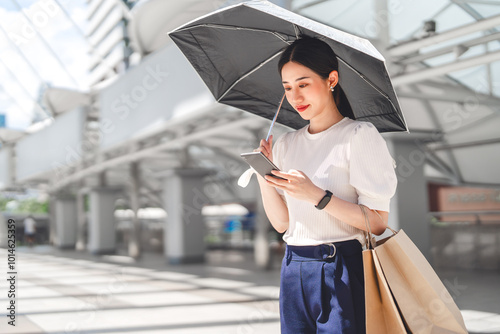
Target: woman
x=332 y=166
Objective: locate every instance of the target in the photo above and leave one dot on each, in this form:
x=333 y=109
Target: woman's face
x=306 y=91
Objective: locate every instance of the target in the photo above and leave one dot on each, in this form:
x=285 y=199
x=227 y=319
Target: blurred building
x=148 y=133
x=107 y=38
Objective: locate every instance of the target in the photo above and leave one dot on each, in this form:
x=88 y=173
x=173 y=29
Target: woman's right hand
x=266 y=147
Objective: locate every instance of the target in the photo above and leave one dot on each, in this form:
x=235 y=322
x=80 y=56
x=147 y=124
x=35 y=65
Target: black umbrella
x=236 y=50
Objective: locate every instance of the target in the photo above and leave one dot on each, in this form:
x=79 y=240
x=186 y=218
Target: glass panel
x=474 y=78
x=494 y=46
x=408 y=17
x=58 y=31
x=298 y=4
x=486 y=10
x=451 y=18
x=353 y=16
x=444 y=59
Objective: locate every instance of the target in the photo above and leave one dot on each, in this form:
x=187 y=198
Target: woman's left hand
x=297 y=185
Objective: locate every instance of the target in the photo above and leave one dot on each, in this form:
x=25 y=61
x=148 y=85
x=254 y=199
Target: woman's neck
x=325 y=120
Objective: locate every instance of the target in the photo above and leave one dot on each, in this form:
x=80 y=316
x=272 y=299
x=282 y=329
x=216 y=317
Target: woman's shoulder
x=362 y=127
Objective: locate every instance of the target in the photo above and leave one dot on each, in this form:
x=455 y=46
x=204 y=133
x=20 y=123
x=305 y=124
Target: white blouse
x=351 y=159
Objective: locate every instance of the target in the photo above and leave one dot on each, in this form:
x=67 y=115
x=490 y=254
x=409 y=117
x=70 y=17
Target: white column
x=66 y=222
x=3 y=232
x=52 y=220
x=262 y=251
x=410 y=205
x=81 y=222
x=102 y=227
x=184 y=229
x=134 y=245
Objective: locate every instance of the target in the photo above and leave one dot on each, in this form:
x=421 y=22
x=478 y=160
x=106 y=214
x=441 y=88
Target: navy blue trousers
x=322 y=289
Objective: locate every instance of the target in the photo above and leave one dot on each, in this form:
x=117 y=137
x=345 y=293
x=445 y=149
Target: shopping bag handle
x=370 y=239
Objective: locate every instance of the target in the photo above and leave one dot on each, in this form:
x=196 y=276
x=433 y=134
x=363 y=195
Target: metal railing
x=466 y=239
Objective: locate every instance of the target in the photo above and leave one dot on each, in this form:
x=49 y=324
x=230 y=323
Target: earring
x=331 y=88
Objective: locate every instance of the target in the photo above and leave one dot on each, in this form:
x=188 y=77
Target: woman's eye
x=303 y=85
x=287 y=88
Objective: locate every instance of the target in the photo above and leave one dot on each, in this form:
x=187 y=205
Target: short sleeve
x=278 y=156
x=372 y=168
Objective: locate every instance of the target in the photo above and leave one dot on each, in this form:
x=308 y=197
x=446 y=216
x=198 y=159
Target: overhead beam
x=307 y=5
x=450 y=48
x=413 y=46
x=425 y=74
x=453 y=97
x=463 y=145
x=151 y=151
x=482 y=2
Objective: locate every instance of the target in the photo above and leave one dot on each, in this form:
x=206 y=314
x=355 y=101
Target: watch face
x=324 y=201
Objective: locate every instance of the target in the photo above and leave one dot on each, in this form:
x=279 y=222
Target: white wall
x=52 y=148
x=162 y=88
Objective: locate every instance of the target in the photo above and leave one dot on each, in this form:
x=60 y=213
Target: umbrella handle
x=275 y=116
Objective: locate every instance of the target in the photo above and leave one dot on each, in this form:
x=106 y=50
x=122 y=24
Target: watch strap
x=324 y=201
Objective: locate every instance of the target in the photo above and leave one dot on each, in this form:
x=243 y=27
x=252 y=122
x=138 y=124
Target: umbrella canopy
x=236 y=50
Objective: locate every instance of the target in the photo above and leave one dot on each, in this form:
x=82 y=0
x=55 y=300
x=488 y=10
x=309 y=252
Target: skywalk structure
x=149 y=133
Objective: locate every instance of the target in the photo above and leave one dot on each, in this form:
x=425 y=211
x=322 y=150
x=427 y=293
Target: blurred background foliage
x=28 y=205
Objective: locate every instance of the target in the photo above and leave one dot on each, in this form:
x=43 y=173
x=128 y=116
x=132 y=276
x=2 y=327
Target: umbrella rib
x=364 y=78
x=296 y=29
x=374 y=87
x=250 y=72
x=221 y=26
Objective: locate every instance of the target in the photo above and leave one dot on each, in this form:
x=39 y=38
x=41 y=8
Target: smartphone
x=260 y=163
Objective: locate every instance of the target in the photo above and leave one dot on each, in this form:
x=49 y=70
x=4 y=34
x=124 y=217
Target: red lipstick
x=302 y=108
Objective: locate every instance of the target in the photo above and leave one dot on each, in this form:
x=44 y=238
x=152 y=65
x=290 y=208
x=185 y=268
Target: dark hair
x=320 y=58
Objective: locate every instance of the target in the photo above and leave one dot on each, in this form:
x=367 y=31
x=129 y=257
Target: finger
x=265 y=144
x=282 y=174
x=270 y=181
x=294 y=172
x=277 y=181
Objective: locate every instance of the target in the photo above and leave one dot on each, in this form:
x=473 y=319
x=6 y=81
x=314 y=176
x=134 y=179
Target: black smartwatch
x=324 y=201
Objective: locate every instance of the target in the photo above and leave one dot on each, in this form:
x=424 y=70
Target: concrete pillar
x=3 y=232
x=134 y=245
x=66 y=221
x=102 y=229
x=81 y=222
x=52 y=220
x=410 y=206
x=184 y=230
x=262 y=251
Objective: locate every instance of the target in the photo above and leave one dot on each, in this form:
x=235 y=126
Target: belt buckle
x=334 y=251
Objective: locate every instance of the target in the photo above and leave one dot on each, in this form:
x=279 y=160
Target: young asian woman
x=331 y=166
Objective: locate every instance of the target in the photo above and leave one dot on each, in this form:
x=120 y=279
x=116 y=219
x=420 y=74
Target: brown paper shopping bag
x=382 y=314
x=425 y=304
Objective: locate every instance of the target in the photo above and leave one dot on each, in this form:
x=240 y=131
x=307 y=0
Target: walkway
x=74 y=292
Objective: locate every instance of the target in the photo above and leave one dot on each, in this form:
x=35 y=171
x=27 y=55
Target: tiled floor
x=68 y=292
x=73 y=292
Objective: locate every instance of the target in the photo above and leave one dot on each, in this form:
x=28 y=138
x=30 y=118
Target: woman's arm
x=301 y=187
x=276 y=209
x=351 y=213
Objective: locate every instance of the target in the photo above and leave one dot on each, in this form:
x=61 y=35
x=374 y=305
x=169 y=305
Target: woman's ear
x=333 y=78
